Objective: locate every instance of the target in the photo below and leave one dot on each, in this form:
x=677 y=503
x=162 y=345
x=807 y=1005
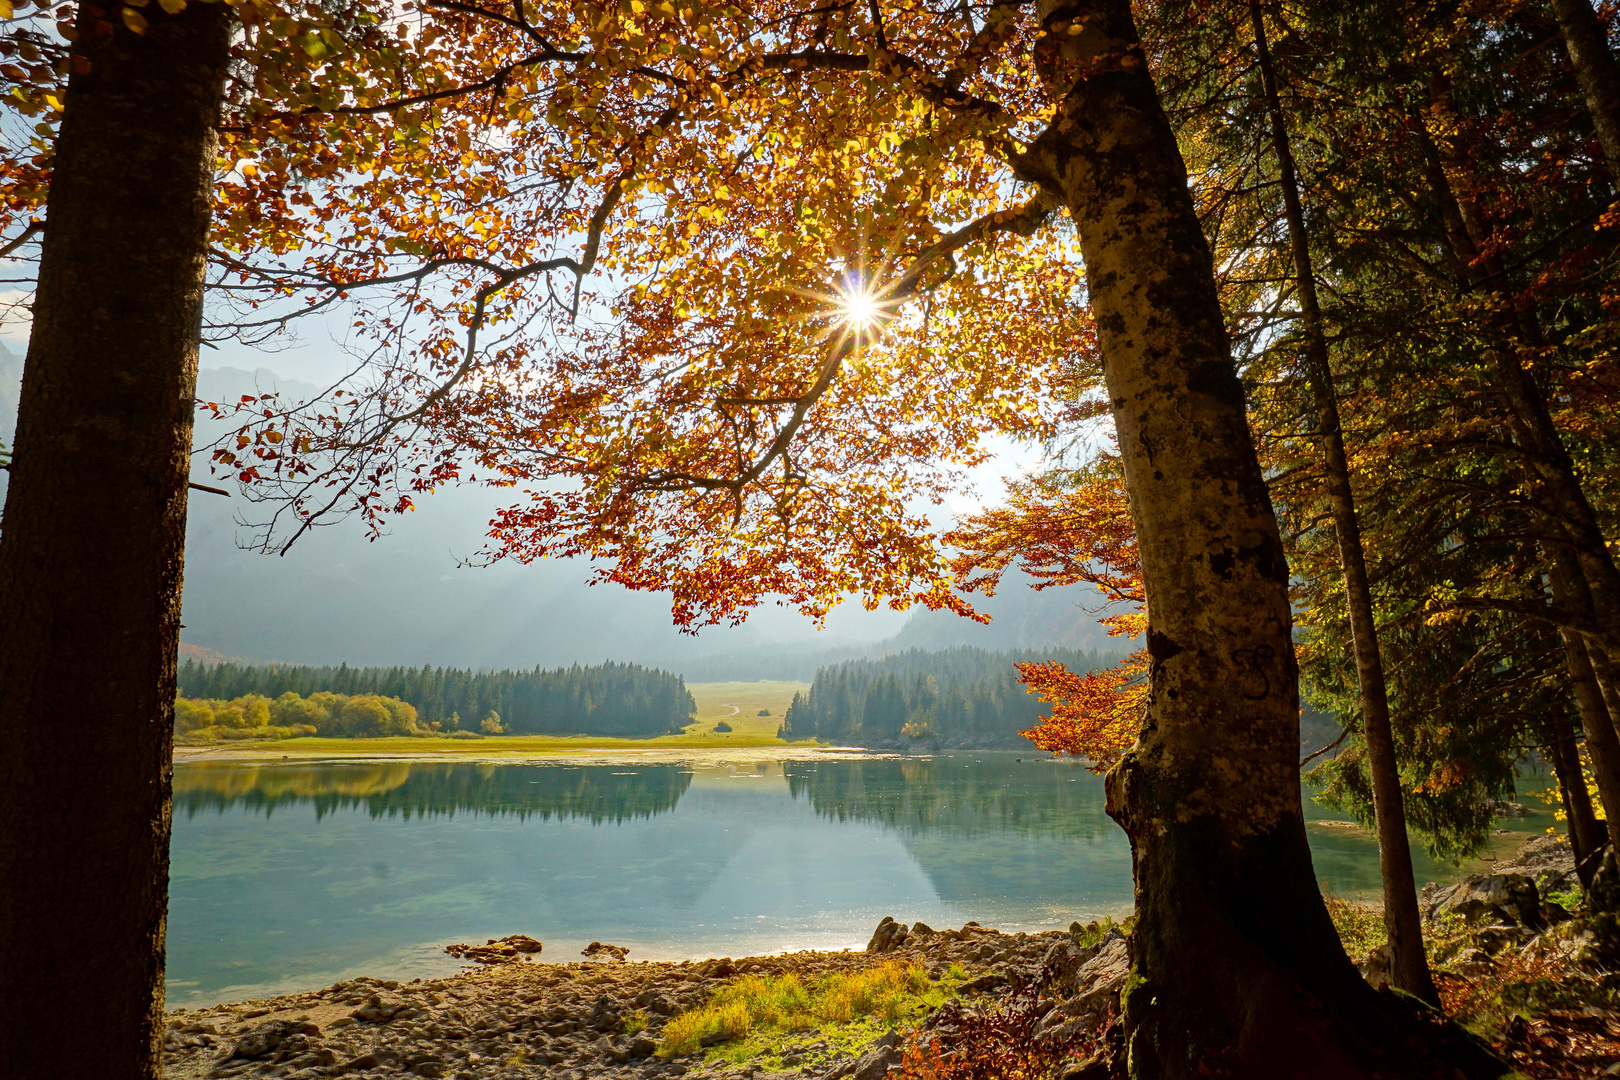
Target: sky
x=407 y=598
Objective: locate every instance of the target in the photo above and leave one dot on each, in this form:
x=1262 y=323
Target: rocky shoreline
x=568 y=1021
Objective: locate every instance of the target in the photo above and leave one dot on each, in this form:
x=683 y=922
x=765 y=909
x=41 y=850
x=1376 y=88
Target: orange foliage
x=1095 y=715
x=1064 y=529
x=1061 y=529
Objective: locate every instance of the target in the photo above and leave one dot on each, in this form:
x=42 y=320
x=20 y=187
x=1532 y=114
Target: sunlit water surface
x=292 y=876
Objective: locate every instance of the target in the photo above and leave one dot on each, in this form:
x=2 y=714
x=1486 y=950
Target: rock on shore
x=559 y=1021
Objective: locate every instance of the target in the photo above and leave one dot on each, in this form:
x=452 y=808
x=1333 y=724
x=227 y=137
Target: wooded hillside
x=963 y=697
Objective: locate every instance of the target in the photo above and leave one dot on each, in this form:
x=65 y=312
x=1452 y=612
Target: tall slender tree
x=1409 y=967
x=1586 y=40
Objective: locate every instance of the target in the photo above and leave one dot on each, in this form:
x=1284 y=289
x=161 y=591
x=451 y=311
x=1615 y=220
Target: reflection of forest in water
x=958 y=795
x=951 y=794
x=426 y=789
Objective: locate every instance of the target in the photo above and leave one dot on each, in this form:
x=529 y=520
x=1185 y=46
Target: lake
x=293 y=875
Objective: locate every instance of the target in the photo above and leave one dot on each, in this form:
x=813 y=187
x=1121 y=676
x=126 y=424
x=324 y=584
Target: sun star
x=859 y=309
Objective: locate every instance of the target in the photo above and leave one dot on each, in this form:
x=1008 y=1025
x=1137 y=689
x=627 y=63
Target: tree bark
x=1587 y=42
x=90 y=554
x=1468 y=230
x=1586 y=832
x=1409 y=968
x=1236 y=967
x=1602 y=740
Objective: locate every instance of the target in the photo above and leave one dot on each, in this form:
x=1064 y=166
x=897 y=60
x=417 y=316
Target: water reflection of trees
x=956 y=794
x=430 y=789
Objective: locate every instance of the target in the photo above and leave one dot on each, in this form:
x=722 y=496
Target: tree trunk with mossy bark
x=1236 y=968
x=90 y=553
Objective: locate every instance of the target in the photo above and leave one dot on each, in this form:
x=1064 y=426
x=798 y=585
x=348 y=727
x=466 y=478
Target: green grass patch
x=762 y=1018
x=1092 y=933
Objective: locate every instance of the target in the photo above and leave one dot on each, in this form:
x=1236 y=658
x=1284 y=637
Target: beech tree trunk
x=1403 y=921
x=1236 y=968
x=1587 y=42
x=90 y=552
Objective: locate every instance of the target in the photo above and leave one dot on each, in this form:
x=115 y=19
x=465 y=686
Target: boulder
x=888 y=936
x=605 y=1014
x=1096 y=1067
x=1547 y=860
x=1375 y=966
x=1064 y=959
x=598 y=950
x=1486 y=899
x=265 y=1039
x=875 y=1064
x=881 y=1055
x=1097 y=984
x=378 y=1010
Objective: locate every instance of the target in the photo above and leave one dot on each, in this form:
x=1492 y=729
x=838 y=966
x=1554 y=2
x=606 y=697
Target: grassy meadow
x=736 y=703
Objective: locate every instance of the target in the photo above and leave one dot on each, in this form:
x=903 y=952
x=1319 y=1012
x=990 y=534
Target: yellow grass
x=774 y=1003
x=738 y=704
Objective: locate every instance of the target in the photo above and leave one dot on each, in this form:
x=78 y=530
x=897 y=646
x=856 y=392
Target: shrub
x=722 y=726
x=192 y=716
x=998 y=1042
x=253 y=716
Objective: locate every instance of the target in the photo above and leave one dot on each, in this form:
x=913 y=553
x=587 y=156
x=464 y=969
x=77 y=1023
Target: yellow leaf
x=134 y=20
x=138 y=3
x=173 y=7
x=5 y=9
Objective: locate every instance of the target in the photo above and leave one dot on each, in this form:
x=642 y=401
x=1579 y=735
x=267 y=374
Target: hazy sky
x=406 y=599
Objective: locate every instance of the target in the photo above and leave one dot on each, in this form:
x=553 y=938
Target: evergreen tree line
x=964 y=698
x=948 y=795
x=624 y=700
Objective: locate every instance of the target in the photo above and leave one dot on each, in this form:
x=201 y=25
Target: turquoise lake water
x=291 y=876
